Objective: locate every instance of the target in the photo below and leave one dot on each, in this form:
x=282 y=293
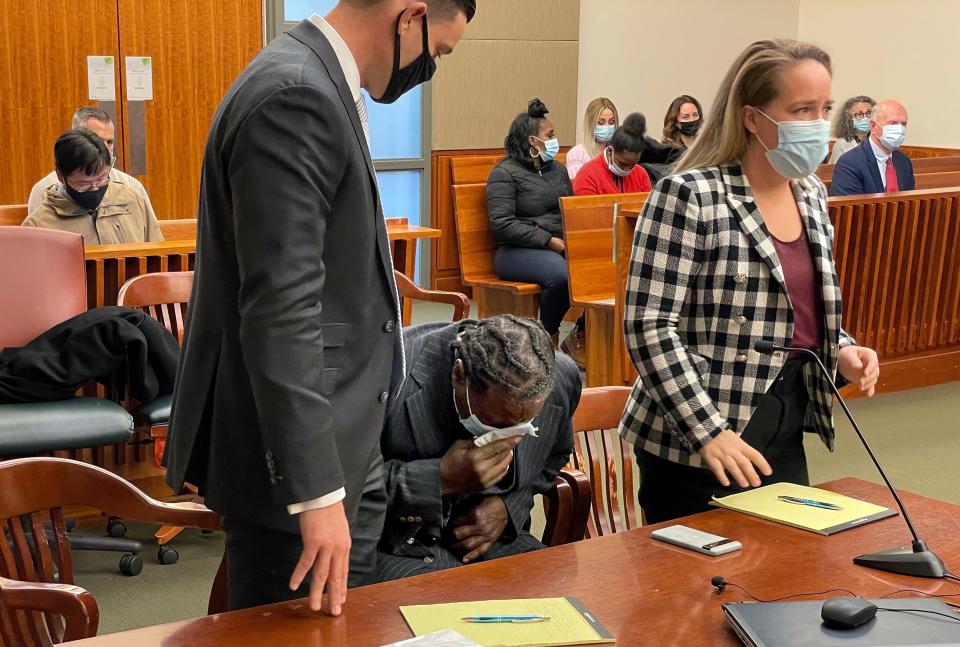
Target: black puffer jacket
x=523 y=203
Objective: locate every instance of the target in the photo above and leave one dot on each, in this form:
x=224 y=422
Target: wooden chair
x=42 y=607
x=476 y=245
x=410 y=290
x=12 y=214
x=164 y=296
x=606 y=459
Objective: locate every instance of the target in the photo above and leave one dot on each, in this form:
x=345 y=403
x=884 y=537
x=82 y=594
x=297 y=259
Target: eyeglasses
x=90 y=186
x=862 y=114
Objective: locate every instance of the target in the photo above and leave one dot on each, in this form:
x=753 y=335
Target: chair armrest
x=410 y=290
x=75 y=605
x=582 y=500
x=567 y=506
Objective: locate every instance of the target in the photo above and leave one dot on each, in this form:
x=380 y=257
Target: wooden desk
x=645 y=592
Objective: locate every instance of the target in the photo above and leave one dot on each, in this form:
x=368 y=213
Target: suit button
x=383 y=397
x=411 y=540
x=418 y=519
x=411 y=519
x=742 y=357
x=740 y=279
x=741 y=320
x=269 y=456
x=389 y=326
x=428 y=560
x=777 y=354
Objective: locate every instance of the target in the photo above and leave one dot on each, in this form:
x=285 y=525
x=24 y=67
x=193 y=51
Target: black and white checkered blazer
x=705 y=285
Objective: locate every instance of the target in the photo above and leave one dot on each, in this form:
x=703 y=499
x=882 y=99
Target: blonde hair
x=594 y=108
x=753 y=80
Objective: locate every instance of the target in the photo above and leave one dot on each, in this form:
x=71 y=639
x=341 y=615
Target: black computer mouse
x=847 y=613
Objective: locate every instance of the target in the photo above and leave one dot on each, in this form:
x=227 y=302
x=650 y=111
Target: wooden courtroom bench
x=588 y=234
x=477 y=246
x=898 y=260
x=921 y=166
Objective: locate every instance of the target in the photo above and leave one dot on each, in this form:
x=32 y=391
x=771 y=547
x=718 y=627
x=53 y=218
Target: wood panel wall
x=43 y=79
x=198 y=47
x=511 y=52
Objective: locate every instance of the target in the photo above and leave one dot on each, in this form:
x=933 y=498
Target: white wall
x=894 y=50
x=644 y=53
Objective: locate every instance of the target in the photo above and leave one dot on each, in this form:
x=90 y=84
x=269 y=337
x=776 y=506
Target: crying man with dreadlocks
x=481 y=425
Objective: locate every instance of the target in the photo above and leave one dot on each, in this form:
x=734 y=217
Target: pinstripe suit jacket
x=423 y=424
x=705 y=285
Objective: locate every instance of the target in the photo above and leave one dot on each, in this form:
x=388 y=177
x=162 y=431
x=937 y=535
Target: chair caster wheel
x=116 y=528
x=167 y=555
x=131 y=564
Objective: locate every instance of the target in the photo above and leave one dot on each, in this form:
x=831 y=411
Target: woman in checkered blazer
x=734 y=248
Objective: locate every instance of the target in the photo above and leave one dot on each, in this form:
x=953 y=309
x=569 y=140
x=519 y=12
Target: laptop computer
x=798 y=624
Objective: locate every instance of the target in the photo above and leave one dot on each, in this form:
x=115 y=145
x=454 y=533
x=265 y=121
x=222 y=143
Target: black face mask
x=89 y=200
x=419 y=71
x=690 y=128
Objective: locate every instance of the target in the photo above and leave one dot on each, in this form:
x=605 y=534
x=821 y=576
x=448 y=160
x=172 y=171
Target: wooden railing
x=898 y=260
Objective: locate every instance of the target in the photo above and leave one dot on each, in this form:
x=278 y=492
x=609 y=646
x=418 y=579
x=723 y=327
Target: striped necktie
x=399 y=372
x=362 y=113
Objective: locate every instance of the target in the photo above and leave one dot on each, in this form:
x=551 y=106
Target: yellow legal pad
x=763 y=502
x=570 y=622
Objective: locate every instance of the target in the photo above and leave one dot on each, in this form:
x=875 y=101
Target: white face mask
x=485 y=434
x=613 y=167
x=801 y=147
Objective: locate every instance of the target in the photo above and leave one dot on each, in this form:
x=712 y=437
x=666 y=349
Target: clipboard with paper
x=570 y=622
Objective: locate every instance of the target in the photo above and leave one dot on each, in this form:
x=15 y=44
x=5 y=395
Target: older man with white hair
x=876 y=165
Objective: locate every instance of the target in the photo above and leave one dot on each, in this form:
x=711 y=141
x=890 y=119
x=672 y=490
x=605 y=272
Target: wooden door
x=198 y=48
x=43 y=80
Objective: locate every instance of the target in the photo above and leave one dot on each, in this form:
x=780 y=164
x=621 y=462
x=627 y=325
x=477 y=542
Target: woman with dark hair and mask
x=617 y=169
x=523 y=205
x=682 y=123
x=86 y=202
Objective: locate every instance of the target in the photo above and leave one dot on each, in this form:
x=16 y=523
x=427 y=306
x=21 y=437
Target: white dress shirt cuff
x=321 y=502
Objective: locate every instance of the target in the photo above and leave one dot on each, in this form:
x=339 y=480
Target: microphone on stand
x=916 y=559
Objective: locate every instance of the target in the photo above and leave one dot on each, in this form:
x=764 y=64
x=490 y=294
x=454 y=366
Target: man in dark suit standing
x=451 y=502
x=876 y=166
x=293 y=348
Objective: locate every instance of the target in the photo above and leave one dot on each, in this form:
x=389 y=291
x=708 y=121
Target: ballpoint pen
x=810 y=502
x=512 y=619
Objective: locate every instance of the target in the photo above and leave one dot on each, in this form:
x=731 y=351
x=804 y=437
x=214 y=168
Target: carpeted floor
x=915 y=434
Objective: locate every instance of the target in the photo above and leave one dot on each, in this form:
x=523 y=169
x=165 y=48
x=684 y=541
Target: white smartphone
x=702 y=542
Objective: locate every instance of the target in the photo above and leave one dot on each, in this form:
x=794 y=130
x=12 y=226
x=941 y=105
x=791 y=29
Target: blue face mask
x=603 y=134
x=862 y=125
x=801 y=148
x=485 y=434
x=893 y=136
x=552 y=146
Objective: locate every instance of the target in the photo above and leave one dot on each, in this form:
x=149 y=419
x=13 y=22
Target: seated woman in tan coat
x=86 y=202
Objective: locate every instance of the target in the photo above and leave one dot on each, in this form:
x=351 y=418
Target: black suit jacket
x=423 y=424
x=856 y=172
x=287 y=366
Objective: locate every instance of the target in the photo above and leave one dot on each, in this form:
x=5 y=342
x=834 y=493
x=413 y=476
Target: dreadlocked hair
x=511 y=351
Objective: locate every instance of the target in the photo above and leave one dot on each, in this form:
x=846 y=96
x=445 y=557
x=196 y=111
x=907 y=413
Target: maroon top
x=803 y=287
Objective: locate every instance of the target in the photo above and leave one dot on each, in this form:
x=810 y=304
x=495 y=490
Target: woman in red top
x=617 y=168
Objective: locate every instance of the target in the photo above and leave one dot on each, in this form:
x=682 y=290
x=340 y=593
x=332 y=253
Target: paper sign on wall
x=139 y=78
x=101 y=81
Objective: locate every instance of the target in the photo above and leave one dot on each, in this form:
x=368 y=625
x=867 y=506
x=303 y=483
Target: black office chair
x=44 y=283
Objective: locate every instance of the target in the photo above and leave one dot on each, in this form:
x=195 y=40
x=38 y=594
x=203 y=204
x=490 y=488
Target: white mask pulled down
x=485 y=434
